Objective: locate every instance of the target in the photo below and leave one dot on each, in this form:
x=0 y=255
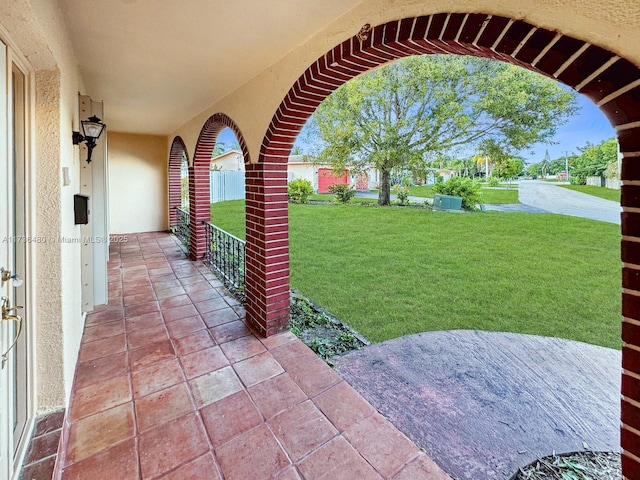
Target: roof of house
x=226 y=154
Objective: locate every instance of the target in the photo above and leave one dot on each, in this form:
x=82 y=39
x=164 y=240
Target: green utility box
x=447 y=202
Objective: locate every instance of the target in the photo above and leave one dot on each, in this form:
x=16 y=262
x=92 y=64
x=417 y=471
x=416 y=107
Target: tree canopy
x=594 y=160
x=401 y=115
x=222 y=147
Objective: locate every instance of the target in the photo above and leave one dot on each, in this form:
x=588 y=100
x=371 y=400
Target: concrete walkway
x=483 y=404
x=555 y=199
x=512 y=208
x=374 y=197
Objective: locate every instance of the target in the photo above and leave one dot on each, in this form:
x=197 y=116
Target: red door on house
x=326 y=178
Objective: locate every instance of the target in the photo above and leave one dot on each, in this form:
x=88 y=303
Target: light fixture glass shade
x=92 y=127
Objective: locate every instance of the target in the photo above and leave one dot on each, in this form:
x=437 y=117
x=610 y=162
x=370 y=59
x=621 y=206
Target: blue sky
x=589 y=125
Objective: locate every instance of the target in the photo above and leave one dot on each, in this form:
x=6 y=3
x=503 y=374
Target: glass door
x=14 y=365
x=17 y=294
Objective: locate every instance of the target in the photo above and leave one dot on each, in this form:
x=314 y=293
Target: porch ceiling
x=157 y=63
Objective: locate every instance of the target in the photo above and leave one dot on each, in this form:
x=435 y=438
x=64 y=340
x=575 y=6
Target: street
x=555 y=199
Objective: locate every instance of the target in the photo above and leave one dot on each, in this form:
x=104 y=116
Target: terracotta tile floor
x=172 y=384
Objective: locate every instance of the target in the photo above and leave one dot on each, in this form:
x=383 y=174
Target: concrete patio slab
x=483 y=404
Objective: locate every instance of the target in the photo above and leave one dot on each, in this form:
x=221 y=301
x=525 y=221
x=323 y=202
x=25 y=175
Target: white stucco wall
x=37 y=34
x=228 y=161
x=137 y=183
x=308 y=171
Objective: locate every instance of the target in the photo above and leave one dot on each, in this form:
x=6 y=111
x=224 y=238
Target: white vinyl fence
x=595 y=181
x=612 y=183
x=227 y=185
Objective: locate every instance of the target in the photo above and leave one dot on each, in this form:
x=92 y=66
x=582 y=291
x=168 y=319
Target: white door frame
x=13 y=449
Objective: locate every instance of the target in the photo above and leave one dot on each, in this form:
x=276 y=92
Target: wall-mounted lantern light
x=92 y=128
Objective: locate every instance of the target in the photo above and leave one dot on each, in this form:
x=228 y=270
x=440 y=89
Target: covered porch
x=171 y=382
x=171 y=377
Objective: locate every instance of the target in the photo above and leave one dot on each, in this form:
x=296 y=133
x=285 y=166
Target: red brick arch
x=199 y=196
x=178 y=149
x=613 y=83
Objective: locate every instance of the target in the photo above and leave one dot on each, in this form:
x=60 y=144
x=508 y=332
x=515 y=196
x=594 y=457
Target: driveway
x=555 y=199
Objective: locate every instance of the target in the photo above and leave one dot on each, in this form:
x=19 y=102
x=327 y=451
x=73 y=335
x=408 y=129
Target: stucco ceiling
x=158 y=63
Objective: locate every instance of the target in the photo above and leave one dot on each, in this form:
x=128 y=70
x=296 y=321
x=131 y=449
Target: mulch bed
x=575 y=466
x=327 y=336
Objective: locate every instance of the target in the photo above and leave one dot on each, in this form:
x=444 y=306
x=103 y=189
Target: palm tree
x=544 y=164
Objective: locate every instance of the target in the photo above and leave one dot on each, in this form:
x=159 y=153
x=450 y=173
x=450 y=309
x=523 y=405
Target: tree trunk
x=384 y=195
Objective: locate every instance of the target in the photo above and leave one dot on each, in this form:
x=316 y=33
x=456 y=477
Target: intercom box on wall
x=81 y=209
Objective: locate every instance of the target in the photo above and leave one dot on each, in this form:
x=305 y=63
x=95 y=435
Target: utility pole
x=566 y=163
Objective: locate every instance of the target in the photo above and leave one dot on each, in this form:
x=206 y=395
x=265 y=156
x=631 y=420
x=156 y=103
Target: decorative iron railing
x=225 y=257
x=181 y=229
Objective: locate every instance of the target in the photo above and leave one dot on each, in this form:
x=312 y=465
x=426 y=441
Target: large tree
x=399 y=116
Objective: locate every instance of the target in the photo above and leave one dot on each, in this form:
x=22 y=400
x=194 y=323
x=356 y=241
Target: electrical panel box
x=447 y=202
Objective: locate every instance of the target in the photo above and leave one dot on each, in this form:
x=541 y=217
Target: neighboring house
x=320 y=175
x=301 y=166
x=231 y=160
x=445 y=173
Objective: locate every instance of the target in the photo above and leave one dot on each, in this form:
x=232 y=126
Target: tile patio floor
x=172 y=384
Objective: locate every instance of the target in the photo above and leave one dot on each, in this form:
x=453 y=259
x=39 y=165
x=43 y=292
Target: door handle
x=6 y=309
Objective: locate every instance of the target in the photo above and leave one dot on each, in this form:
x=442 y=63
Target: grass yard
x=391 y=272
x=606 y=193
x=490 y=195
x=329 y=197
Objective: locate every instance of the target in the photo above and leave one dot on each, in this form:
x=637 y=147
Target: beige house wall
x=138 y=169
x=607 y=23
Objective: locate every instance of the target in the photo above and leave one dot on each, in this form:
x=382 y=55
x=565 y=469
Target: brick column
x=199 y=207
x=630 y=199
x=267 y=249
x=174 y=191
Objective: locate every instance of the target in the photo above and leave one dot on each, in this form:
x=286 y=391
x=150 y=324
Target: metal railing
x=181 y=229
x=224 y=255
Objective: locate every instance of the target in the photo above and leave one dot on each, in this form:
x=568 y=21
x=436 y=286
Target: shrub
x=299 y=190
x=493 y=181
x=343 y=192
x=462 y=187
x=402 y=192
x=578 y=179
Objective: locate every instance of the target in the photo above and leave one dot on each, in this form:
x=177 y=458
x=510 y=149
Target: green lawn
x=606 y=193
x=393 y=272
x=328 y=197
x=490 y=195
